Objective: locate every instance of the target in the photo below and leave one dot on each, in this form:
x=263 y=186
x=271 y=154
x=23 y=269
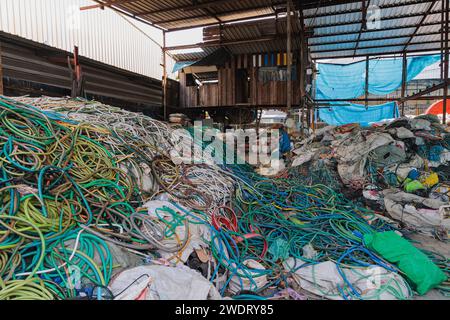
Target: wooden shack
x=244 y=79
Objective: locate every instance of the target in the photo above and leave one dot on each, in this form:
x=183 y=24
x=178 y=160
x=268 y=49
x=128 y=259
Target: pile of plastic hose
x=56 y=177
x=272 y=219
x=68 y=187
x=73 y=182
x=138 y=141
x=317 y=172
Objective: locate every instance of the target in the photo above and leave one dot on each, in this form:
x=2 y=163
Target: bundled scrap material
x=72 y=182
x=399 y=166
x=179 y=118
x=85 y=186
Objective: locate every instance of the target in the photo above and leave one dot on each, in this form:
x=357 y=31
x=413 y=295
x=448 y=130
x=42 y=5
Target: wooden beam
x=446 y=66
x=289 y=54
x=302 y=64
x=366 y=90
x=404 y=78
x=363 y=23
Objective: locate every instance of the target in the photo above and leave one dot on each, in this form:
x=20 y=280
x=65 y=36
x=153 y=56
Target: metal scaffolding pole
x=446 y=56
x=303 y=64
x=166 y=116
x=367 y=83
x=404 y=77
x=289 y=55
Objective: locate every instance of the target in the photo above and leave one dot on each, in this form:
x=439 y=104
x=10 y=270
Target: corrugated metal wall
x=30 y=68
x=102 y=35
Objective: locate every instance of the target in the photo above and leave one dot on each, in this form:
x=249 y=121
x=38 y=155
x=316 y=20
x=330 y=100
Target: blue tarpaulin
x=345 y=112
x=182 y=64
x=337 y=81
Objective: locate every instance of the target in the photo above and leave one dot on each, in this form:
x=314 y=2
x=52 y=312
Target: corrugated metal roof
x=175 y=14
x=340 y=38
x=392 y=33
x=411 y=25
x=193 y=56
x=337 y=29
x=274 y=31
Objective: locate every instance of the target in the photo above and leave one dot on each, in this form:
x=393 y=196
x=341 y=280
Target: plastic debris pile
x=94 y=206
x=400 y=167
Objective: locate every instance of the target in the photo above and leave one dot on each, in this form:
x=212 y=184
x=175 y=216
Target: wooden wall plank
x=224 y=92
x=1 y=71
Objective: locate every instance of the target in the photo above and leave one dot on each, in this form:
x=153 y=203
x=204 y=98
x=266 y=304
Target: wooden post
x=166 y=116
x=1 y=72
x=442 y=38
x=289 y=56
x=77 y=76
x=444 y=109
x=367 y=83
x=404 y=77
x=303 y=63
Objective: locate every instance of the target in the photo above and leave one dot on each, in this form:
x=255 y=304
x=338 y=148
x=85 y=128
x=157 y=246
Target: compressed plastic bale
x=258 y=277
x=402 y=133
x=420 y=124
x=402 y=170
x=387 y=155
x=401 y=207
x=417 y=267
x=430 y=117
x=352 y=156
x=163 y=283
x=324 y=279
